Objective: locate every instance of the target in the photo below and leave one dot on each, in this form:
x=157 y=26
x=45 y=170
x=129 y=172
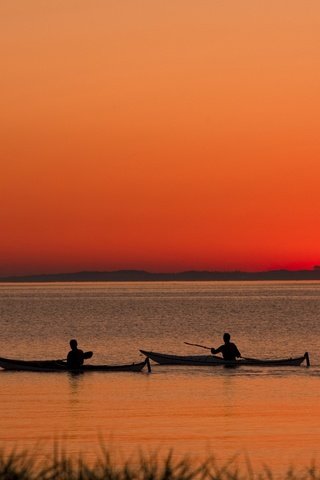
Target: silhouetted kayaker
x=229 y=350
x=76 y=356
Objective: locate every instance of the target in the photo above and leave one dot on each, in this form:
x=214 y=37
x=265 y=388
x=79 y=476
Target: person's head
x=73 y=344
x=226 y=337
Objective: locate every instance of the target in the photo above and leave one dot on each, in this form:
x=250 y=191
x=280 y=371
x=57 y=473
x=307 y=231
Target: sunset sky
x=163 y=135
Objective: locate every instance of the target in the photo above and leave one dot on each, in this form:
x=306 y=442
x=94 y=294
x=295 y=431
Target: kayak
x=61 y=366
x=212 y=360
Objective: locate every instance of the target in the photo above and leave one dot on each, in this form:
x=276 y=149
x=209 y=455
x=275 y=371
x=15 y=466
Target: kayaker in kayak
x=76 y=356
x=229 y=350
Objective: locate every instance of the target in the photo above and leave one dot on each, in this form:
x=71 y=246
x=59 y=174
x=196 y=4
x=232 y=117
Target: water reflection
x=76 y=381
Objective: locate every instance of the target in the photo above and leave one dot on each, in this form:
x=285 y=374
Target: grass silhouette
x=24 y=466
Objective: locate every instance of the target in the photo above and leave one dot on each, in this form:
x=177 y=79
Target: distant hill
x=143 y=276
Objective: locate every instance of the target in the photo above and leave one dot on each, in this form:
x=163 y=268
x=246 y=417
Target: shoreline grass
x=60 y=466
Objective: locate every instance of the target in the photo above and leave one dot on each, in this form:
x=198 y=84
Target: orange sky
x=163 y=135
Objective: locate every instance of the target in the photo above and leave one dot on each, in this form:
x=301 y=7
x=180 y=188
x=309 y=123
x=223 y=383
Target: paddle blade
x=87 y=355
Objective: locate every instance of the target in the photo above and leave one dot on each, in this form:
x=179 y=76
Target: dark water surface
x=271 y=414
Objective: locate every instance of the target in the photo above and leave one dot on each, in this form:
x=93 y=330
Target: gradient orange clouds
x=163 y=135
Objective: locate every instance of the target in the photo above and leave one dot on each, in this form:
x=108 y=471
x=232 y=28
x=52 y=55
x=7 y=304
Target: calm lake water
x=270 y=414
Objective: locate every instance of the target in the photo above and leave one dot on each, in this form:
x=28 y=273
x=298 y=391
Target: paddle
x=86 y=355
x=197 y=345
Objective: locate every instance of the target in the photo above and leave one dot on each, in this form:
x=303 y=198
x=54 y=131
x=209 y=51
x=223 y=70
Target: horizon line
x=82 y=273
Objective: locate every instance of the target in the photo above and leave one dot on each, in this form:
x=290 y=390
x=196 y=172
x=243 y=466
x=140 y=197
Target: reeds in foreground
x=23 y=466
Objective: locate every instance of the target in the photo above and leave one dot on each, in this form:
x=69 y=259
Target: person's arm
x=238 y=354
x=80 y=356
x=216 y=350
